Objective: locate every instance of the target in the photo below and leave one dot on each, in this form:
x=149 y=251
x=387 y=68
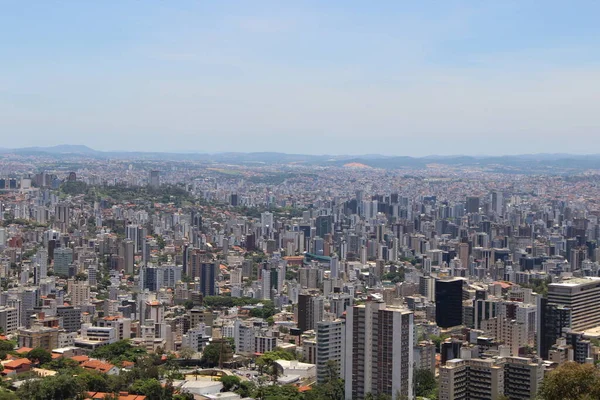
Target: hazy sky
x=334 y=77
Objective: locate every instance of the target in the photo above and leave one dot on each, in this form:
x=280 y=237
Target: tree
x=6 y=395
x=571 y=381
x=6 y=346
x=94 y=381
x=39 y=356
x=61 y=386
x=152 y=389
x=211 y=355
x=187 y=353
x=424 y=381
x=118 y=352
x=332 y=387
x=230 y=383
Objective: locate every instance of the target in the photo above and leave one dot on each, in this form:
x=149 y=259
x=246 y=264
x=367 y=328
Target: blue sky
x=335 y=77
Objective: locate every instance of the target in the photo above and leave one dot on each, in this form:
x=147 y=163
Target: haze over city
x=390 y=78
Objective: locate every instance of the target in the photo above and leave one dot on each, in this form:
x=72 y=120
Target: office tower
x=334 y=267
x=464 y=379
x=448 y=302
x=571 y=306
x=498 y=203
x=266 y=284
x=472 y=205
x=126 y=251
x=581 y=296
x=208 y=271
x=149 y=279
x=331 y=337
x=154 y=179
x=379 y=351
x=309 y=311
x=63 y=258
x=324 y=225
x=553 y=323
x=132 y=233
x=171 y=274
x=196 y=219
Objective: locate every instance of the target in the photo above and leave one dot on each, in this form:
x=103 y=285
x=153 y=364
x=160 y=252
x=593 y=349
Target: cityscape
x=184 y=277
x=309 y=200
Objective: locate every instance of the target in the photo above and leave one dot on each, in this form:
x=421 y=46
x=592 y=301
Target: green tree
x=58 y=387
x=152 y=389
x=246 y=389
x=213 y=352
x=332 y=387
x=6 y=346
x=39 y=356
x=94 y=381
x=230 y=383
x=571 y=381
x=119 y=351
x=7 y=395
x=424 y=382
x=62 y=364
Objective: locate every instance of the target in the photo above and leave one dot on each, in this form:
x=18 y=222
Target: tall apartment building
x=379 y=351
x=522 y=377
x=9 y=320
x=464 y=379
x=79 y=292
x=331 y=337
x=70 y=317
x=154 y=178
x=205 y=269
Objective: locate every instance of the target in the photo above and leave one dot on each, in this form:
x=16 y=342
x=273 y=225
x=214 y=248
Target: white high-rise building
x=331 y=337
x=266 y=221
x=379 y=351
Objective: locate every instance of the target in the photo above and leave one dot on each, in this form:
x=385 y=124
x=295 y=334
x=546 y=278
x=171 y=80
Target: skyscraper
x=154 y=179
x=331 y=337
x=472 y=205
x=208 y=278
x=309 y=312
x=63 y=257
x=379 y=351
x=498 y=203
x=448 y=302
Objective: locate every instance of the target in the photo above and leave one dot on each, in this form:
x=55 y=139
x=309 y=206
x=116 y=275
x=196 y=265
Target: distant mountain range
x=531 y=162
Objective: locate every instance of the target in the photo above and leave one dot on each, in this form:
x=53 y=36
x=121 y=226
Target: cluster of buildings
x=486 y=280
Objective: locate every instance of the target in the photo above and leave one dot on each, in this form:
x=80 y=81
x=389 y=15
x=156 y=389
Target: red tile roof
x=97 y=365
x=18 y=363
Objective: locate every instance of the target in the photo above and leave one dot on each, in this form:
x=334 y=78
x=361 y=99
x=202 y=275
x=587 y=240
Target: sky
x=317 y=77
